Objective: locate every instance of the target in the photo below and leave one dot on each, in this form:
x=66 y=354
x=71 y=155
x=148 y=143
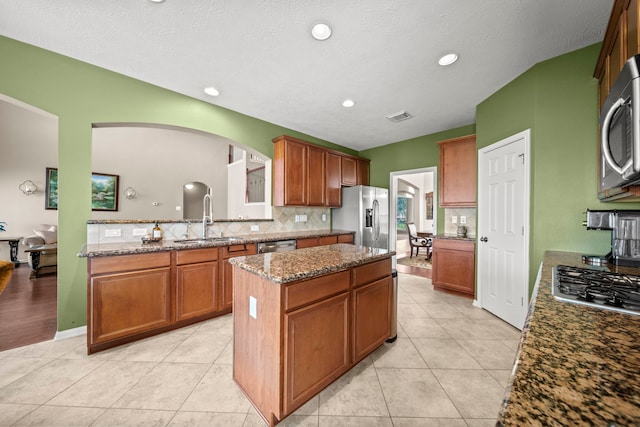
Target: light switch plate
x=463 y=219
x=454 y=219
x=255 y=228
x=112 y=232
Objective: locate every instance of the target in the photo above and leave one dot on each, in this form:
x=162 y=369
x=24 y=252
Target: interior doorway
x=28 y=306
x=412 y=193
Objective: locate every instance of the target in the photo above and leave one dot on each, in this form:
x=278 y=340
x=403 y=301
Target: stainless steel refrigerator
x=364 y=210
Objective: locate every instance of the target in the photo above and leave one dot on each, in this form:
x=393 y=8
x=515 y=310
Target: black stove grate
x=615 y=291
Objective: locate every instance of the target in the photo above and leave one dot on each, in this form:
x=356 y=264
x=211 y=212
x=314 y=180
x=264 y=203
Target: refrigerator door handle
x=376 y=219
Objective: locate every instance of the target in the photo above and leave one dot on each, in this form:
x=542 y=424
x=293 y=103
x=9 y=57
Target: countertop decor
x=128 y=248
x=576 y=365
x=284 y=267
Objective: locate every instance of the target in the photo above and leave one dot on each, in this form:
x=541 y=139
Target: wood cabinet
x=333 y=163
x=306 y=174
x=457 y=171
x=227 y=271
x=196 y=283
x=311 y=242
x=454 y=265
x=128 y=295
x=293 y=340
x=621 y=41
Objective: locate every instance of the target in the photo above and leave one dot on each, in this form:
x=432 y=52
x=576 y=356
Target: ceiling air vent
x=398 y=117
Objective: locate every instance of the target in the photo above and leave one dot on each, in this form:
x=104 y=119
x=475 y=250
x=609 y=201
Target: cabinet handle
x=484 y=239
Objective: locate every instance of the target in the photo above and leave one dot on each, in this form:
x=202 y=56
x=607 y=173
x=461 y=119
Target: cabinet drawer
x=327 y=240
x=345 y=238
x=239 y=250
x=456 y=245
x=192 y=256
x=115 y=264
x=307 y=243
x=308 y=291
x=373 y=271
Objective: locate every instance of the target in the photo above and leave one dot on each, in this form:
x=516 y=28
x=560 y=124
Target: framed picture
x=429 y=202
x=104 y=192
x=51 y=192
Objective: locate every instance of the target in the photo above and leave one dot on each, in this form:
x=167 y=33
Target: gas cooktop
x=596 y=288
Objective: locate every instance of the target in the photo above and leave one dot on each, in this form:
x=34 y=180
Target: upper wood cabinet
x=621 y=41
x=458 y=172
x=305 y=174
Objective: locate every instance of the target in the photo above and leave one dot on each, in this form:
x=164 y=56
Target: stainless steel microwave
x=620 y=130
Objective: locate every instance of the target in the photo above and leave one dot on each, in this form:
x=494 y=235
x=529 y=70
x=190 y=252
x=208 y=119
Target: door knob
x=484 y=239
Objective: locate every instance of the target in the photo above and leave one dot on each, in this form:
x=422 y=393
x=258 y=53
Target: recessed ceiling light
x=348 y=103
x=321 y=31
x=448 y=59
x=212 y=91
x=156 y=1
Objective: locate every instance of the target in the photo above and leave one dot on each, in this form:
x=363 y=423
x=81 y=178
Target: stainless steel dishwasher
x=279 y=246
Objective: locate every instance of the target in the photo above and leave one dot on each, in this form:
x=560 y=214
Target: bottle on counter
x=157 y=231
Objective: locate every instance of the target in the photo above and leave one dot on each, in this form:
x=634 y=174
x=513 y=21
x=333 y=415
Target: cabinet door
x=371 y=316
x=362 y=169
x=333 y=179
x=289 y=173
x=227 y=271
x=126 y=304
x=349 y=171
x=316 y=190
x=196 y=293
x=454 y=265
x=316 y=348
x=458 y=172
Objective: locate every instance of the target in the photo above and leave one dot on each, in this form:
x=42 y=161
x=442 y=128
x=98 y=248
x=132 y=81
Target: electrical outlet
x=324 y=217
x=253 y=307
x=463 y=219
x=178 y=208
x=112 y=232
x=139 y=232
x=255 y=228
x=297 y=218
x=303 y=218
x=454 y=219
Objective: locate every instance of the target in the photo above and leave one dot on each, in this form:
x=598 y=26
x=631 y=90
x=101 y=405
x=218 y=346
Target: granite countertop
x=127 y=248
x=576 y=365
x=284 y=267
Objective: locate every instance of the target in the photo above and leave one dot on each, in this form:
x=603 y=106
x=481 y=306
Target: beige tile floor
x=448 y=367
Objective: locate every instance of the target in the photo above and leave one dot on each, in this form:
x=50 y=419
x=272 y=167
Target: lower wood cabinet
x=292 y=340
x=316 y=345
x=454 y=265
x=325 y=240
x=124 y=302
x=226 y=303
x=196 y=283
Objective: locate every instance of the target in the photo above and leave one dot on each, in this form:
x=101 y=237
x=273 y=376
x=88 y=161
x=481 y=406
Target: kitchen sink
x=207 y=240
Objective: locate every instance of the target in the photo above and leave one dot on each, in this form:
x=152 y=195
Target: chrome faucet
x=207 y=213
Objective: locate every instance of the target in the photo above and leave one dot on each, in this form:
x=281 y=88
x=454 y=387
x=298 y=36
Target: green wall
x=557 y=99
x=421 y=152
x=81 y=95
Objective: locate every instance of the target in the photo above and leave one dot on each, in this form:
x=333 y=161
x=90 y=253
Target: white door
x=503 y=228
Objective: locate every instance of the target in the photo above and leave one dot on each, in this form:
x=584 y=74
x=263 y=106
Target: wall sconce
x=28 y=187
x=129 y=193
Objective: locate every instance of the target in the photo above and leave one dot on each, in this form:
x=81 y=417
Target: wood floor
x=28 y=309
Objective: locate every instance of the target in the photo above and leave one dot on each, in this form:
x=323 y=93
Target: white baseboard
x=476 y=303
x=70 y=333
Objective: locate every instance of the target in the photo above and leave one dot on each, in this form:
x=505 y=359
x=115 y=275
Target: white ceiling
x=260 y=54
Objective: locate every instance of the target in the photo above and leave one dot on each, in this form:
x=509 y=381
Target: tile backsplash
x=284 y=219
x=451 y=229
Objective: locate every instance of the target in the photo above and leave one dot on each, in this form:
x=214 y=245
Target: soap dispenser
x=157 y=232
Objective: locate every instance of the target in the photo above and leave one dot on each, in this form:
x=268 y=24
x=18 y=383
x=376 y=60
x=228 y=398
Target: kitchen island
x=576 y=365
x=304 y=318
